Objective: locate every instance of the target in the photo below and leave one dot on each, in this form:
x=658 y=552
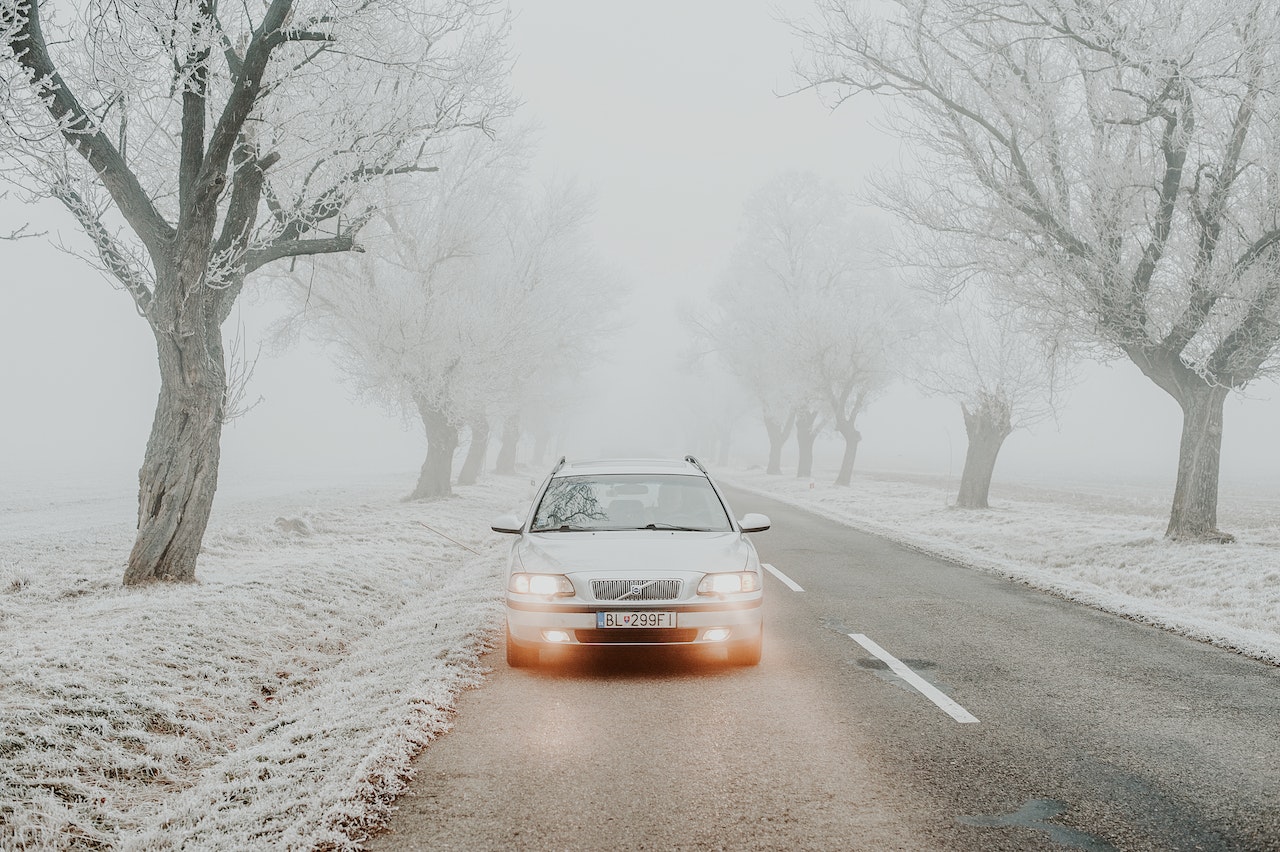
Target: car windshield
x=630 y=501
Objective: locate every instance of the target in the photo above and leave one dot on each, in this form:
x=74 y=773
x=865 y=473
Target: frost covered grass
x=274 y=704
x=1102 y=547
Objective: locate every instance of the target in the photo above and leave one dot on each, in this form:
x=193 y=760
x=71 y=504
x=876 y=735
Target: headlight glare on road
x=729 y=584
x=549 y=585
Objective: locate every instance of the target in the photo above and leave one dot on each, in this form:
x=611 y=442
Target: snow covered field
x=275 y=704
x=1102 y=547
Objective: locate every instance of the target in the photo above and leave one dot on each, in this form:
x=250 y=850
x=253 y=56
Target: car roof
x=608 y=466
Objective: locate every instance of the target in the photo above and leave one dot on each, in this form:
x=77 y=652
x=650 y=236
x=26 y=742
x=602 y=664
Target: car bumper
x=711 y=623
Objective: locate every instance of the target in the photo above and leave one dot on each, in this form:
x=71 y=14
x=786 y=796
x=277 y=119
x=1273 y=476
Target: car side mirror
x=508 y=523
x=754 y=522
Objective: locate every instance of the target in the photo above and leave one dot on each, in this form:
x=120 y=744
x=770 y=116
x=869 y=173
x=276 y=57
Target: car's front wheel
x=746 y=653
x=520 y=656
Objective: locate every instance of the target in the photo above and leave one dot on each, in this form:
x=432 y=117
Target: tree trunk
x=851 y=439
x=722 y=447
x=987 y=425
x=806 y=433
x=541 y=440
x=476 y=452
x=1195 y=497
x=510 y=439
x=778 y=434
x=442 y=440
x=179 y=474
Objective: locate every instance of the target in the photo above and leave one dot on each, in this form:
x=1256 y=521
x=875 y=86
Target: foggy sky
x=668 y=109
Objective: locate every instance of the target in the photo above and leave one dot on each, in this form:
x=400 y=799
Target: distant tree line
x=1086 y=177
x=476 y=307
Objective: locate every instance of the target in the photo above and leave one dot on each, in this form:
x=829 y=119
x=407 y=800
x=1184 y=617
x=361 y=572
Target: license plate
x=644 y=618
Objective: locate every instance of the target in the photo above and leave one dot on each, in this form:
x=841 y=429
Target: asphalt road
x=1092 y=732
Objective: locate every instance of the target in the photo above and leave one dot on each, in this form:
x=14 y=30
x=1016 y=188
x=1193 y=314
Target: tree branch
x=113 y=256
x=240 y=102
x=81 y=132
x=194 y=78
x=257 y=258
x=21 y=234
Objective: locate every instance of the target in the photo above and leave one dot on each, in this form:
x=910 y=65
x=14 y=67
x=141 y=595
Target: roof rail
x=693 y=461
x=559 y=465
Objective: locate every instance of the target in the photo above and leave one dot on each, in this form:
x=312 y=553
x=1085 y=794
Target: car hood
x=635 y=551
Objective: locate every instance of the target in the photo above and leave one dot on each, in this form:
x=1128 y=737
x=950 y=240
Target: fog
x=673 y=113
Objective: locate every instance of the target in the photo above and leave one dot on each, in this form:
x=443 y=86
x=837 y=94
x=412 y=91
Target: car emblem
x=637 y=588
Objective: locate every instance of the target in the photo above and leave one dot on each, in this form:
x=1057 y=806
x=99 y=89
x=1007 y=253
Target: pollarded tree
x=851 y=343
x=1117 y=164
x=992 y=361
x=406 y=318
x=806 y=320
x=558 y=300
x=195 y=143
x=747 y=338
x=476 y=294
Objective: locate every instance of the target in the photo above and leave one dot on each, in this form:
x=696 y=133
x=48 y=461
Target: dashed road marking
x=791 y=584
x=928 y=690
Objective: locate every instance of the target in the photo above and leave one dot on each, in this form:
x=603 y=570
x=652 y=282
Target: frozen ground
x=277 y=703
x=1101 y=546
x=273 y=705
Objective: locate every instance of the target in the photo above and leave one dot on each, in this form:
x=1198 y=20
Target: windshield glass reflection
x=630 y=502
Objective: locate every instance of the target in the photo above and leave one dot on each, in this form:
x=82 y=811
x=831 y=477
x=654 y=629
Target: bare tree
x=804 y=317
x=852 y=339
x=992 y=361
x=1118 y=165
x=480 y=291
x=195 y=143
x=747 y=340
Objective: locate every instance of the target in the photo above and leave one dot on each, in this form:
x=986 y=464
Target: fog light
x=555 y=635
x=716 y=634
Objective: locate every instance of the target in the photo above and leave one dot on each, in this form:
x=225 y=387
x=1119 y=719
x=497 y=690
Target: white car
x=632 y=552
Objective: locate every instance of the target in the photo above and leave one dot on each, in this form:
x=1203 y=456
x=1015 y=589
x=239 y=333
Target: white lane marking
x=928 y=690
x=791 y=584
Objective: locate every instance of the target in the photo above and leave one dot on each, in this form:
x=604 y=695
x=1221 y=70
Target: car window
x=630 y=501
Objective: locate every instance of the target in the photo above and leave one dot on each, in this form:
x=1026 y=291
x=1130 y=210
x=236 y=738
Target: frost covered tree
x=745 y=337
x=998 y=367
x=195 y=142
x=476 y=294
x=850 y=343
x=560 y=302
x=1117 y=163
x=742 y=336
x=804 y=317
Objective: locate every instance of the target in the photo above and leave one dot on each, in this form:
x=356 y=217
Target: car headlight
x=550 y=585
x=728 y=584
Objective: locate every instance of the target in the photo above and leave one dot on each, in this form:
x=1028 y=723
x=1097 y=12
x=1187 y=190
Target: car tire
x=520 y=656
x=746 y=653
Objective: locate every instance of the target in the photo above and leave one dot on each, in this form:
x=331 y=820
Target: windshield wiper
x=675 y=527
x=563 y=528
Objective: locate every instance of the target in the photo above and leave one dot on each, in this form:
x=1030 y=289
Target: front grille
x=621 y=590
x=654 y=635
